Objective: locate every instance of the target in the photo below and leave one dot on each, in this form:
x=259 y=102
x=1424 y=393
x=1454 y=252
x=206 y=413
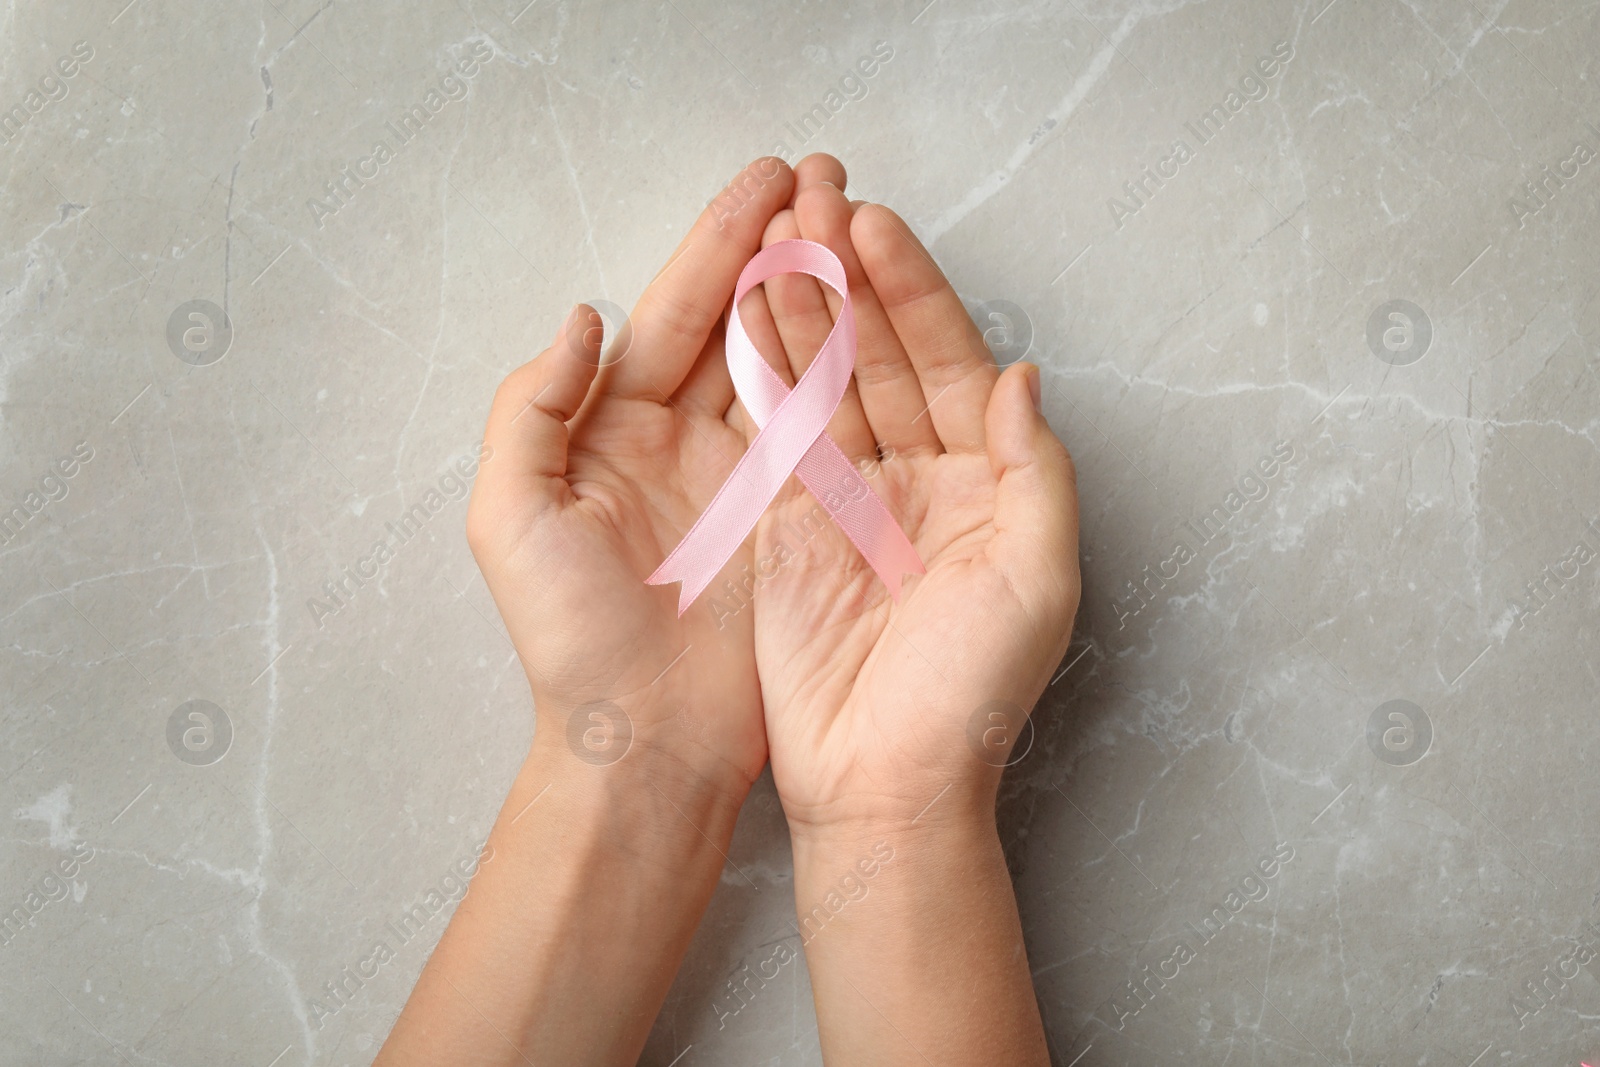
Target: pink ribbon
x=793 y=440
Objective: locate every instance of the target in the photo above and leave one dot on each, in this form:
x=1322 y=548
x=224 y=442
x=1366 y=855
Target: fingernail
x=1035 y=389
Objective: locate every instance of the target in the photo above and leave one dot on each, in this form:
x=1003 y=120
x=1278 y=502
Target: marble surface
x=1325 y=357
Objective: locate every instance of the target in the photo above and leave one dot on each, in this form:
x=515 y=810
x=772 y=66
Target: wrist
x=944 y=771
x=647 y=836
x=850 y=815
x=879 y=908
x=957 y=821
x=609 y=754
x=650 y=789
x=585 y=897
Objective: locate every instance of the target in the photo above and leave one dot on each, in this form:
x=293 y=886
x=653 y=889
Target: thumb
x=527 y=431
x=1036 y=501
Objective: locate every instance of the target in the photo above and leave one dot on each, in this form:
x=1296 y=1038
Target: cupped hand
x=594 y=473
x=881 y=710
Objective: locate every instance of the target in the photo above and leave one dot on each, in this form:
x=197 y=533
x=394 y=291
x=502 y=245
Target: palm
x=638 y=474
x=593 y=478
x=868 y=700
x=854 y=681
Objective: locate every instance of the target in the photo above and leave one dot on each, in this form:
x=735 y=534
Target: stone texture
x=1194 y=337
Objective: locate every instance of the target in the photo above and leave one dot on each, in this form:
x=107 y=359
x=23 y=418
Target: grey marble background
x=1400 y=508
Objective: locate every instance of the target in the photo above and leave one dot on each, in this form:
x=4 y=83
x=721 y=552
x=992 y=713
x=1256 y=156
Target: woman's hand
x=869 y=702
x=649 y=729
x=593 y=480
x=888 y=723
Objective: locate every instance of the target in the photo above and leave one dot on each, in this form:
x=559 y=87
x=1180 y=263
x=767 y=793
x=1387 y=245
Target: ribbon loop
x=792 y=439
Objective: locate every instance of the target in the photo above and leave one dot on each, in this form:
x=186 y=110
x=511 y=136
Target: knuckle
x=516 y=389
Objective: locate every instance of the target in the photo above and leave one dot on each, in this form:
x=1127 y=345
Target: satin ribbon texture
x=792 y=439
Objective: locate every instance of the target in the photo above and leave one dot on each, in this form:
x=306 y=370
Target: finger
x=804 y=318
x=755 y=311
x=817 y=167
x=674 y=317
x=527 y=430
x=763 y=332
x=708 y=390
x=1036 y=501
x=739 y=419
x=952 y=363
x=891 y=397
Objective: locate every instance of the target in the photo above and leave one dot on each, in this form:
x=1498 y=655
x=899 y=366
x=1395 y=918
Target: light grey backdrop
x=1301 y=500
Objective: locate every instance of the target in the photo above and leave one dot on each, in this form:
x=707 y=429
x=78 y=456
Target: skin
x=592 y=479
x=866 y=704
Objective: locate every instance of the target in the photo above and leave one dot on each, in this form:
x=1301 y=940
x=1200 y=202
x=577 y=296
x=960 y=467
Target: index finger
x=674 y=317
x=945 y=347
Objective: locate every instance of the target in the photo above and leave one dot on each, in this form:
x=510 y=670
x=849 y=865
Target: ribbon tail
x=893 y=560
x=694 y=579
x=880 y=541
